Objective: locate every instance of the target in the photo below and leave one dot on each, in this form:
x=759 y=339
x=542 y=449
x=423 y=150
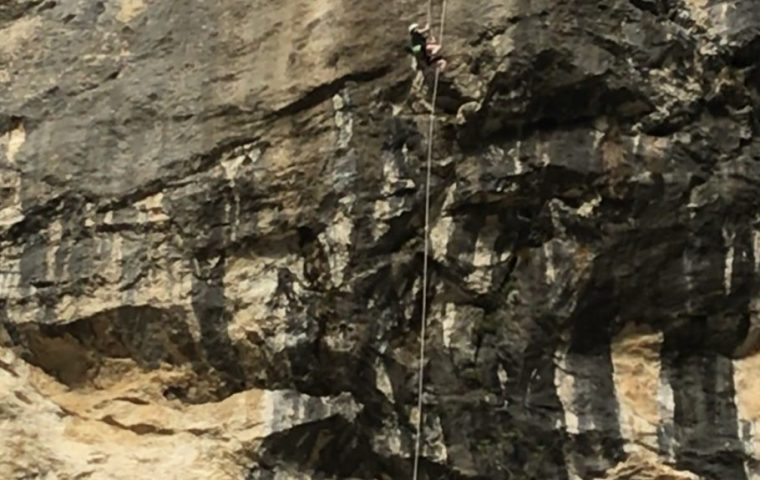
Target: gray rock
x=235 y=191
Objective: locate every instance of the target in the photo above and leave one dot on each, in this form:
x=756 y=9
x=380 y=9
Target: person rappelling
x=425 y=49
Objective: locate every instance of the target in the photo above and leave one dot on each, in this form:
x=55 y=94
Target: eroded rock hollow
x=211 y=238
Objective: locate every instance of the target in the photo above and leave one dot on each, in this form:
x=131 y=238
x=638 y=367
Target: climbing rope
x=423 y=321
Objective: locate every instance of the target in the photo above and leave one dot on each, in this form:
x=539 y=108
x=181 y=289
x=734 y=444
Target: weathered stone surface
x=211 y=223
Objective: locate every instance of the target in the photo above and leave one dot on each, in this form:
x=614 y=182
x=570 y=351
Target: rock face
x=211 y=236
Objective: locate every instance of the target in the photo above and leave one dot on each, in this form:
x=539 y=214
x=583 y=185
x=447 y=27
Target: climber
x=425 y=49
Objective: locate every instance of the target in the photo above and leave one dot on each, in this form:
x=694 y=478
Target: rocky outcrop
x=211 y=224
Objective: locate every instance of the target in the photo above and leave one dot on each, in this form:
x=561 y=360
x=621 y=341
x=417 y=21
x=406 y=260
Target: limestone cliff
x=211 y=226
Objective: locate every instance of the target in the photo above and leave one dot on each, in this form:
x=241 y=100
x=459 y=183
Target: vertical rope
x=425 y=255
x=443 y=22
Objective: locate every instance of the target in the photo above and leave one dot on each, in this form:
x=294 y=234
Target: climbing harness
x=423 y=321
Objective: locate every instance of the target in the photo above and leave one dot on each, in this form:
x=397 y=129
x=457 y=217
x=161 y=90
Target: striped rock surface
x=211 y=223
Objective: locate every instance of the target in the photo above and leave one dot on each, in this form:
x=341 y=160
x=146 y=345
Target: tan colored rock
x=123 y=426
x=748 y=407
x=129 y=9
x=636 y=363
x=645 y=466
